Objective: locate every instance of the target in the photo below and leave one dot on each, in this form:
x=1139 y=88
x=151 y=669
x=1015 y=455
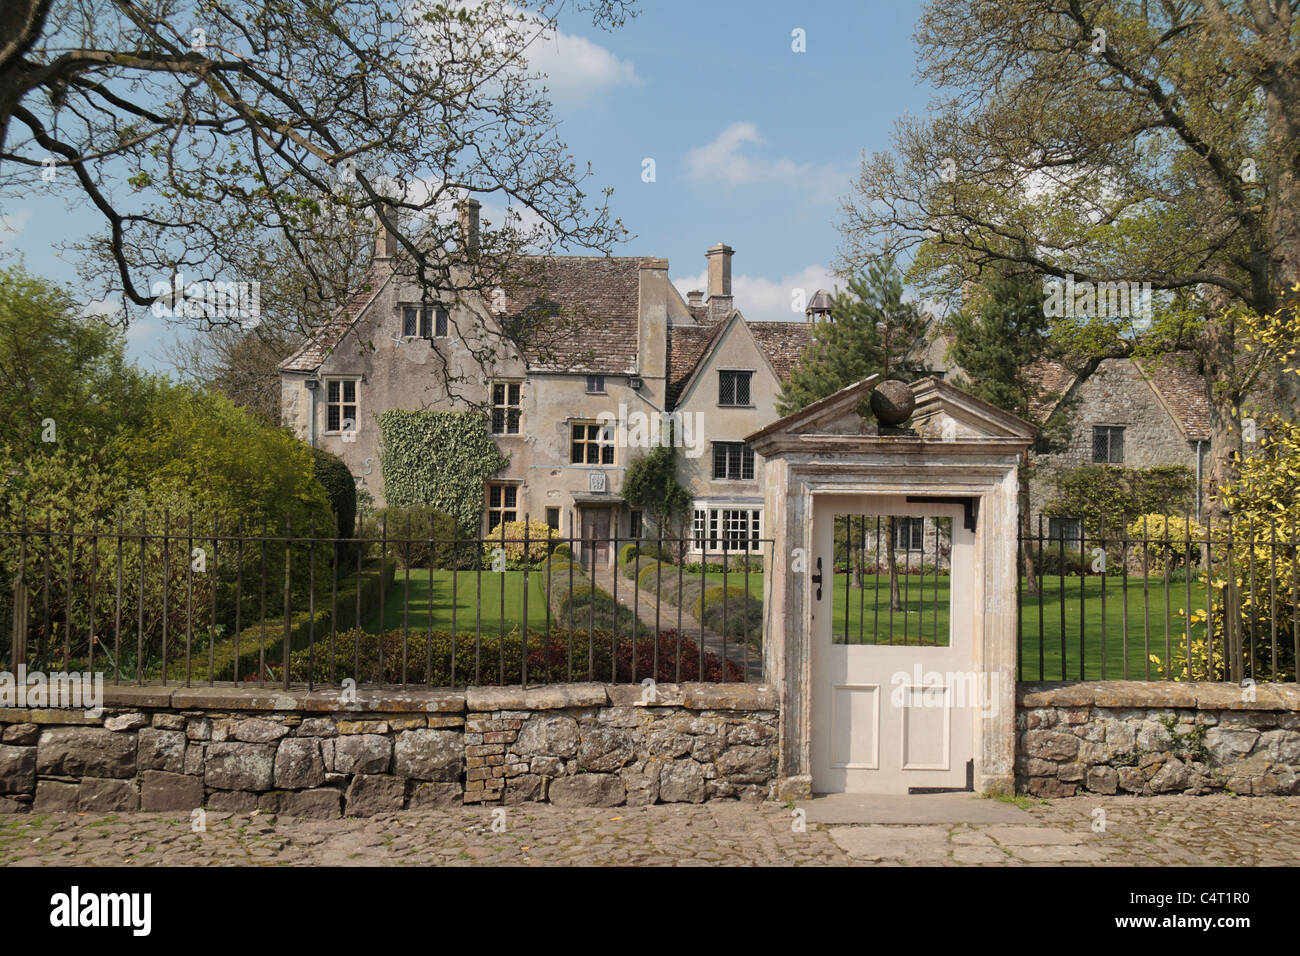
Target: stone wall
x=1151 y=737
x=301 y=753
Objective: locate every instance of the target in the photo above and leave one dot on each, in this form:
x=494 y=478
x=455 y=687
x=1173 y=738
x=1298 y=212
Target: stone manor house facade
x=567 y=419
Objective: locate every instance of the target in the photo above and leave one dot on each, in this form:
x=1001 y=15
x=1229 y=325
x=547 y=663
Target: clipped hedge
x=340 y=487
x=731 y=611
x=372 y=581
x=581 y=655
x=585 y=605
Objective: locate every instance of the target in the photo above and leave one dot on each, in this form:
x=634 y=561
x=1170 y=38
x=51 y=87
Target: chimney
x=695 y=299
x=385 y=241
x=467 y=217
x=720 y=297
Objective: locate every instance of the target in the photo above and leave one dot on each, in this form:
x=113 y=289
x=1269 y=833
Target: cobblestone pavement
x=1233 y=831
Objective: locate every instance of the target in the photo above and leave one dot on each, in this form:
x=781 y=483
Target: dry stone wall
x=307 y=754
x=1150 y=737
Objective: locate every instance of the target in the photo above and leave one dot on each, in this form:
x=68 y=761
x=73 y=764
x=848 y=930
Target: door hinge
x=817 y=579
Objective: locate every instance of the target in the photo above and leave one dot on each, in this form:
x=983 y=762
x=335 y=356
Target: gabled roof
x=689 y=348
x=596 y=301
x=821 y=412
x=316 y=349
x=593 y=300
x=1182 y=392
x=1176 y=386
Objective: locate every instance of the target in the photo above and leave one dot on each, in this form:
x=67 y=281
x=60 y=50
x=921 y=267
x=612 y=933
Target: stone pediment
x=943 y=413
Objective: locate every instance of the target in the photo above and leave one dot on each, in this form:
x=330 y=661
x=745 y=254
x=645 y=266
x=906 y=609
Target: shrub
x=581 y=654
x=541 y=537
x=731 y=611
x=627 y=553
x=562 y=552
x=421 y=536
x=1167 y=536
x=340 y=487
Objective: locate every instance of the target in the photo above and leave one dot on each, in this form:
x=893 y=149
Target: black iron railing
x=152 y=598
x=1165 y=597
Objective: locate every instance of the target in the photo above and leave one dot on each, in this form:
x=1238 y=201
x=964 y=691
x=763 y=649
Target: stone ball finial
x=892 y=403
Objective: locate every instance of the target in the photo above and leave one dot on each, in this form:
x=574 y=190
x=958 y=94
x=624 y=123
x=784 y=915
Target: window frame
x=746 y=457
x=503 y=508
x=425 y=321
x=740 y=374
x=341 y=403
x=598 y=380
x=1109 y=432
x=914 y=527
x=604 y=441
x=506 y=407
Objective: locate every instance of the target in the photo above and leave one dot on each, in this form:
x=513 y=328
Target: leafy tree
x=871 y=331
x=651 y=485
x=1108 y=140
x=996 y=341
x=202 y=133
x=64 y=380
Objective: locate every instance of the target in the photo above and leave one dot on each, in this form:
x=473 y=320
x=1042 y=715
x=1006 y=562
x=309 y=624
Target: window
x=1066 y=529
x=424 y=322
x=909 y=534
x=591 y=444
x=506 y=410
x=727 y=529
x=595 y=384
x=553 y=518
x=502 y=501
x=733 y=459
x=635 y=526
x=340 y=405
x=733 y=388
x=1108 y=444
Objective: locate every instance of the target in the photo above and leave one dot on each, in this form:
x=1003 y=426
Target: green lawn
x=858 y=614
x=468 y=599
x=1141 y=632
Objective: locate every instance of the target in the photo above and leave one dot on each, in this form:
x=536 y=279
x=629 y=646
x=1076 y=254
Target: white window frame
x=341 y=404
x=605 y=440
x=715 y=522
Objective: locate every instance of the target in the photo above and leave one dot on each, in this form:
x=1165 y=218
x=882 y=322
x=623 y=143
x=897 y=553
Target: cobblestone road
x=1161 y=831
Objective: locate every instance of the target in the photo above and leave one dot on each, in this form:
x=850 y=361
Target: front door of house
x=595 y=536
x=895 y=698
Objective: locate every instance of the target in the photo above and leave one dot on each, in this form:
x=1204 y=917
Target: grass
x=862 y=613
x=468 y=600
x=1120 y=642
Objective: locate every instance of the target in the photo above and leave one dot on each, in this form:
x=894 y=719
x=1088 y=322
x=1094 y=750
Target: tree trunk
x=1030 y=568
x=895 y=600
x=1224 y=397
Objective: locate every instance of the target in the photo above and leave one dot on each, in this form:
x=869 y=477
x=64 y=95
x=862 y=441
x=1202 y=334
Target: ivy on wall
x=439 y=459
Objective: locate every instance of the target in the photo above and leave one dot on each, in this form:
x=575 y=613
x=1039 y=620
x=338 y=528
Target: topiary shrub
x=731 y=611
x=627 y=553
x=540 y=538
x=341 y=488
x=424 y=537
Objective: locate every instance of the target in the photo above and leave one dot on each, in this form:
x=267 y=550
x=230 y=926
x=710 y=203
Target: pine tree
x=871 y=331
x=995 y=341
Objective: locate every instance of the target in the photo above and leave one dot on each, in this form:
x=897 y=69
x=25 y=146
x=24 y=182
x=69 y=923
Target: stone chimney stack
x=720 y=297
x=467 y=217
x=385 y=241
x=695 y=299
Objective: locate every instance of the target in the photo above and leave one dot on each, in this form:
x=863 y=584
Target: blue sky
x=753 y=143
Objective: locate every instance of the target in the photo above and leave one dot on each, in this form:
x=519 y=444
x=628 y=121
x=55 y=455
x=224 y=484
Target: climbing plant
x=439 y=459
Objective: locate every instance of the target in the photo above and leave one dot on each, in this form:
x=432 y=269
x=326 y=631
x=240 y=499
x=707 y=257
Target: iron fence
x=161 y=600
x=1165 y=597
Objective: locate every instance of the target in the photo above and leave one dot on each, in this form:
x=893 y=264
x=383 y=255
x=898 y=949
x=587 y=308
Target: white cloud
x=577 y=69
x=726 y=160
x=11 y=224
x=766 y=300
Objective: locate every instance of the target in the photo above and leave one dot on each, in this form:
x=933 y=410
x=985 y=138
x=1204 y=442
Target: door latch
x=817 y=579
